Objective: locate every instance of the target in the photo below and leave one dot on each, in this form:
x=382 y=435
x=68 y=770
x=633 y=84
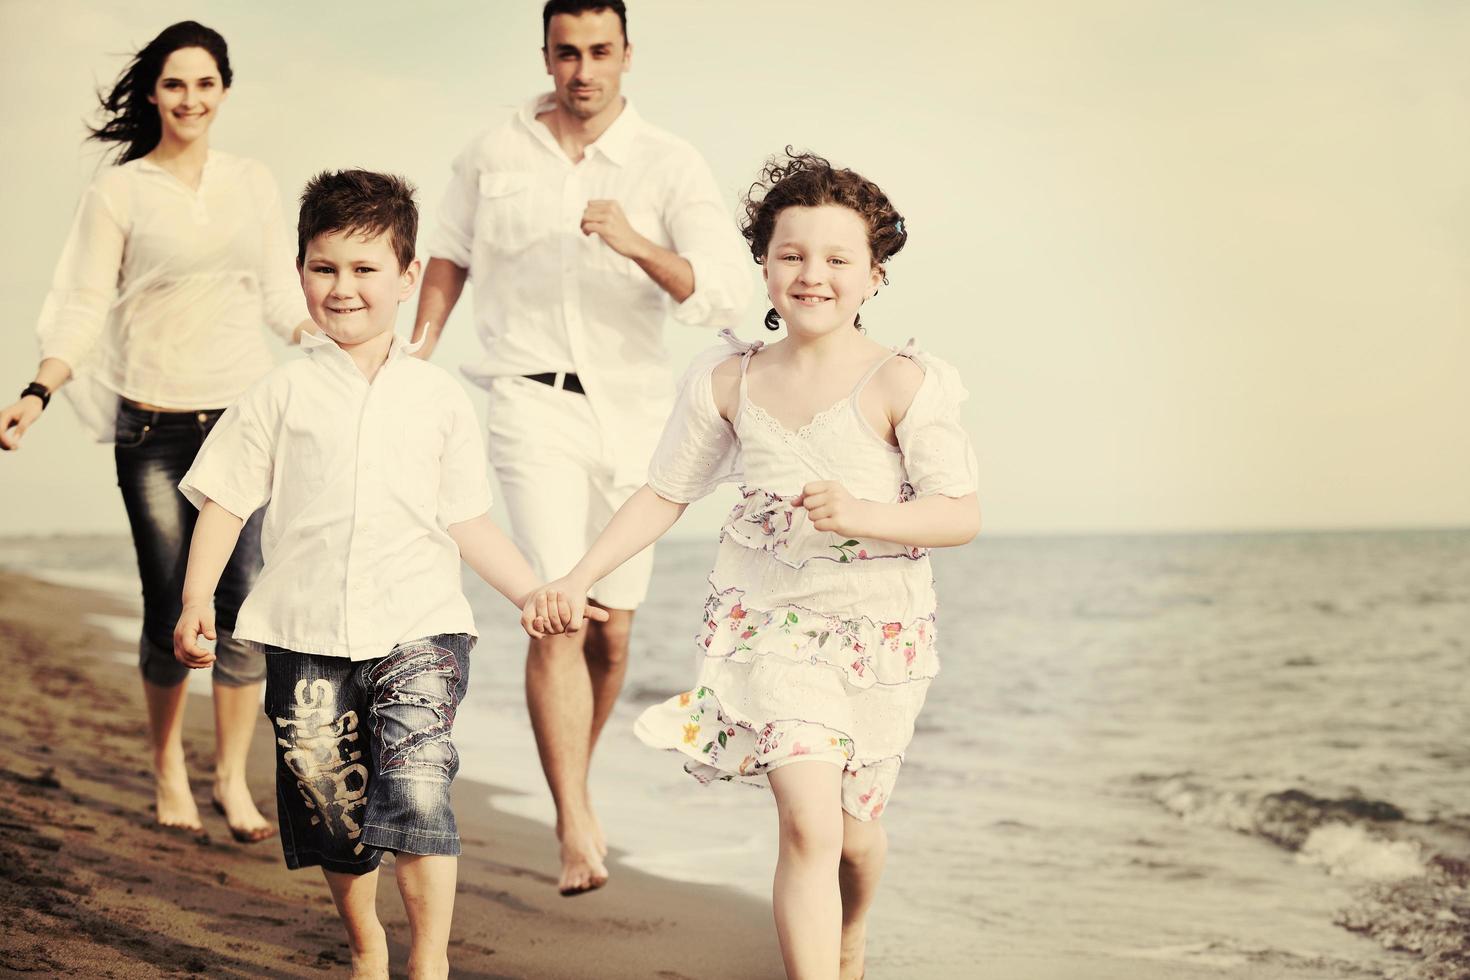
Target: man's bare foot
x=854 y=949
x=233 y=801
x=370 y=962
x=582 y=869
x=174 y=801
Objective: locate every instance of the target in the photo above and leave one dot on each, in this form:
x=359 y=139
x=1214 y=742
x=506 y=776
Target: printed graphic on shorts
x=326 y=754
x=413 y=711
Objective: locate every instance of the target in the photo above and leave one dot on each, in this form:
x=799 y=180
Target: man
x=582 y=225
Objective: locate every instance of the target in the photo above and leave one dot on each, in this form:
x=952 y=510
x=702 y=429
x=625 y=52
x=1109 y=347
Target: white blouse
x=360 y=483
x=161 y=291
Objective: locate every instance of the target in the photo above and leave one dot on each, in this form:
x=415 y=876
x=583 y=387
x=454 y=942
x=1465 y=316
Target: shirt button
x=203 y=417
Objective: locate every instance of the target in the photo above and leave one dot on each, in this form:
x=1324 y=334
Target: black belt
x=569 y=382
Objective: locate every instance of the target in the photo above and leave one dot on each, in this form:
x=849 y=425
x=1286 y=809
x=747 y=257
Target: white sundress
x=815 y=645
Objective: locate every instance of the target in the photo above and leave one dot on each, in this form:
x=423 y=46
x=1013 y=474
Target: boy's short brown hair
x=362 y=202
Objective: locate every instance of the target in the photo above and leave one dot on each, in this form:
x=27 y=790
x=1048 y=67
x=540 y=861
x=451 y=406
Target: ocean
x=1241 y=752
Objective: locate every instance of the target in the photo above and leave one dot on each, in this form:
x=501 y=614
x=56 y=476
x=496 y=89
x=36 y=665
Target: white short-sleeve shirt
x=361 y=482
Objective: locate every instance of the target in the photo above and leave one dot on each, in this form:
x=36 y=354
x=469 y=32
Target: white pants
x=556 y=481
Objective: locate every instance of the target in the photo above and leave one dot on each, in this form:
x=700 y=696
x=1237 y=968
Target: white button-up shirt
x=362 y=482
x=161 y=290
x=549 y=298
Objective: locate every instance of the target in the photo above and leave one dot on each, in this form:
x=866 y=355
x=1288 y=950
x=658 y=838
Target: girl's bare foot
x=854 y=949
x=370 y=962
x=173 y=800
x=232 y=799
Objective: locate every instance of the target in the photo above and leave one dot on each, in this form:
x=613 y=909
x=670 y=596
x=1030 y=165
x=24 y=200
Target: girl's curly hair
x=805 y=180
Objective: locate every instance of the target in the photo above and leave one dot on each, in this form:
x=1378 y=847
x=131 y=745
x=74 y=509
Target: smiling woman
x=176 y=258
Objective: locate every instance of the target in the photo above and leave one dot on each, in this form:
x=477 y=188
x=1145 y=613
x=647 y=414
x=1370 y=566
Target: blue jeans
x=154 y=450
x=364 y=751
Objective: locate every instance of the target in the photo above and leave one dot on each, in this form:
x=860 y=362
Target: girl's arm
x=935 y=521
x=560 y=606
x=215 y=534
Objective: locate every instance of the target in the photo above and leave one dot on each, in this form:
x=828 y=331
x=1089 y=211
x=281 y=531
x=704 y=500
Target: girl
x=176 y=258
x=819 y=640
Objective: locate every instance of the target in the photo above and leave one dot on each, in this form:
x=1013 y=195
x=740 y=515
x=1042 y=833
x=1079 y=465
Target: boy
x=371 y=462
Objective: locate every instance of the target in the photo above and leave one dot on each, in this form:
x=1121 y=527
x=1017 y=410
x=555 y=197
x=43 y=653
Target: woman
x=176 y=257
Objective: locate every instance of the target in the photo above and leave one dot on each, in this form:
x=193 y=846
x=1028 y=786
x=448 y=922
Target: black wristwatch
x=40 y=391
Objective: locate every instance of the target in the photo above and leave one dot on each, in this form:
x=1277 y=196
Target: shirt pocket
x=504 y=220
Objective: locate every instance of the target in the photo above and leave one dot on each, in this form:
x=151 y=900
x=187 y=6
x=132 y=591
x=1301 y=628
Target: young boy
x=371 y=462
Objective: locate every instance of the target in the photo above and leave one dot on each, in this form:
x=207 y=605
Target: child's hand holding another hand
x=558 y=607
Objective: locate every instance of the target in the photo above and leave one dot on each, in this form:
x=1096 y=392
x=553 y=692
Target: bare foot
x=432 y=968
x=598 y=837
x=173 y=800
x=370 y=962
x=582 y=869
x=232 y=799
x=854 y=950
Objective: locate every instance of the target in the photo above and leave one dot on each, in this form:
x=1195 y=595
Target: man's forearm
x=443 y=283
x=671 y=271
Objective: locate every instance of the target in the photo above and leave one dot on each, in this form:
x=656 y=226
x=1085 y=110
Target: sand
x=88 y=887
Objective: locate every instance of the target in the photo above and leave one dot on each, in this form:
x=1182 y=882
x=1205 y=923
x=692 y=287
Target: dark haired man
x=582 y=227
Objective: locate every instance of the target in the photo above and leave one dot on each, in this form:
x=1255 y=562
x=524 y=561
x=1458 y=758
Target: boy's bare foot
x=233 y=801
x=854 y=949
x=370 y=962
x=433 y=968
x=174 y=801
x=582 y=869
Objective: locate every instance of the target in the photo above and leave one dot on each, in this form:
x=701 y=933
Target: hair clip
x=899 y=225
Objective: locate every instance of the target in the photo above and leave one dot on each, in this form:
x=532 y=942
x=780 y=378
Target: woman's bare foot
x=370 y=962
x=582 y=869
x=173 y=800
x=247 y=825
x=854 y=949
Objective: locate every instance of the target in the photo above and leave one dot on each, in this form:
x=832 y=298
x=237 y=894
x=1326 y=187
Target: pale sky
x=1203 y=266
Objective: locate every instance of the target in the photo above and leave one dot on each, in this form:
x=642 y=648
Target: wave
x=1409 y=896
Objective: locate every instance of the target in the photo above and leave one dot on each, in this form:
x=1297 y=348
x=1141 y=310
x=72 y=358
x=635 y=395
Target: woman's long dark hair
x=132 y=121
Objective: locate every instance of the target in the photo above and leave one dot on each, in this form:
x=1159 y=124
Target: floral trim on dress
x=767 y=521
x=724 y=748
x=868 y=652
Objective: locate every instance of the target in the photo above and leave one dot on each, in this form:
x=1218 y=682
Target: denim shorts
x=153 y=452
x=364 y=754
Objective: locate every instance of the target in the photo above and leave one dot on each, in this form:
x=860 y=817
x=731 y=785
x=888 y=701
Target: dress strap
x=743 y=346
x=905 y=351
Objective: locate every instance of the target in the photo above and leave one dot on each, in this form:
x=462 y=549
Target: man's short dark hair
x=361 y=202
x=575 y=7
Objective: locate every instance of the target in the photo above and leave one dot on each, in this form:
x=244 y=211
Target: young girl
x=819 y=636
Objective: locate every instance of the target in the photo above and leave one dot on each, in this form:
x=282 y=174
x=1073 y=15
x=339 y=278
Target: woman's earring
x=773 y=319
